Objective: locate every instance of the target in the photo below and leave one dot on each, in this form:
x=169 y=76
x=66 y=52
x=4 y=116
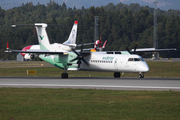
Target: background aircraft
x=67 y=45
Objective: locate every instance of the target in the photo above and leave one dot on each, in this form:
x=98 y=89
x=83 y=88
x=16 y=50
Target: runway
x=157 y=84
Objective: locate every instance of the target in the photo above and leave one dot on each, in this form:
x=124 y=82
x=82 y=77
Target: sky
x=162 y=4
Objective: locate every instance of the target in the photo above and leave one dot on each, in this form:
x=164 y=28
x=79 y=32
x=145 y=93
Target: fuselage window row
x=101 y=61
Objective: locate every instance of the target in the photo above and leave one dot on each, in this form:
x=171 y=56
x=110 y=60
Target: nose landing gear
x=141 y=75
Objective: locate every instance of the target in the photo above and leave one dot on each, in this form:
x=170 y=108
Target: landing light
x=65 y=53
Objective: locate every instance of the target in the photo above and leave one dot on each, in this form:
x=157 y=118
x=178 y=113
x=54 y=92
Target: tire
x=117 y=75
x=64 y=75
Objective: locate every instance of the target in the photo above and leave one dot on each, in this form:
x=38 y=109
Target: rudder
x=42 y=36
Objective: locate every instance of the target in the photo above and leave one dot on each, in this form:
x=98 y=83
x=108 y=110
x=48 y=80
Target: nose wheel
x=141 y=75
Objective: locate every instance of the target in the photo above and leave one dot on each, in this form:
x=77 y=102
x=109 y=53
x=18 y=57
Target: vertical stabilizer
x=42 y=36
x=73 y=34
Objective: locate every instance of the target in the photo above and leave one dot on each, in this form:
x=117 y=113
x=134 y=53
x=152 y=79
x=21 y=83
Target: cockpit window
x=135 y=59
x=142 y=59
x=130 y=59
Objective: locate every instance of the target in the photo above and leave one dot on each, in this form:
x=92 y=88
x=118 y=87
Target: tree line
x=120 y=24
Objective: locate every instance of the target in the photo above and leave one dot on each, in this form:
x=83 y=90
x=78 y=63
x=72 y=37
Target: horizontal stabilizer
x=37 y=52
x=49 y=25
x=26 y=26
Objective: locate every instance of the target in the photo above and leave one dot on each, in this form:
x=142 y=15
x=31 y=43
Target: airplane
x=67 y=45
x=72 y=59
x=29 y=56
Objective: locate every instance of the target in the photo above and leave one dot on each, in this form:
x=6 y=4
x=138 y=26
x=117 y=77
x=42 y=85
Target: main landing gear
x=117 y=74
x=64 y=75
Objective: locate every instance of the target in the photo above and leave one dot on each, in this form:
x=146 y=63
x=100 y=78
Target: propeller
x=135 y=47
x=133 y=52
x=80 y=57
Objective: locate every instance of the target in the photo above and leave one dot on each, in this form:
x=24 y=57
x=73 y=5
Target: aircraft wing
x=152 y=50
x=44 y=52
x=85 y=44
x=36 y=51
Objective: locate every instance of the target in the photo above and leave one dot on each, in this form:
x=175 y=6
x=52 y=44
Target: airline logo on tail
x=41 y=37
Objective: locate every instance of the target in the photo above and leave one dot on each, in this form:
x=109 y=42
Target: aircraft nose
x=144 y=68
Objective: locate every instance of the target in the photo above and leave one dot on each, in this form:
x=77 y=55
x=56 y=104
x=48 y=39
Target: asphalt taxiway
x=158 y=84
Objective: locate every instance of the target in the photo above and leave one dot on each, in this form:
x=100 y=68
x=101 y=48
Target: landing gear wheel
x=141 y=75
x=117 y=75
x=64 y=75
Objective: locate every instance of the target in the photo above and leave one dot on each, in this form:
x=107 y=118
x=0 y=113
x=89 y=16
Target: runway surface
x=158 y=84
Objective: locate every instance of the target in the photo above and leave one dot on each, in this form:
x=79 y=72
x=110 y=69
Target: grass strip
x=87 y=104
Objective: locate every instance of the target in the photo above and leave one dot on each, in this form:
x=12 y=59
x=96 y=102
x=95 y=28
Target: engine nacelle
x=29 y=56
x=32 y=56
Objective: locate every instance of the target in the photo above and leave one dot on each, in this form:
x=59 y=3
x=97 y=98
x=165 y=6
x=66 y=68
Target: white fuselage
x=100 y=61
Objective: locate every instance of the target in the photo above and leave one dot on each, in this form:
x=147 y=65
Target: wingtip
x=13 y=25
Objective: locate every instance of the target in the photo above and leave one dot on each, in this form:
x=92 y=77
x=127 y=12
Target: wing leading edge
x=152 y=50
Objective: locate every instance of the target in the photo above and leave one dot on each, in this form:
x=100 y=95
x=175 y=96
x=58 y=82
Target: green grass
x=85 y=104
x=157 y=69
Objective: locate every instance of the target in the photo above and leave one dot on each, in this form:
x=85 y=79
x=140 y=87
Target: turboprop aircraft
x=71 y=59
x=66 y=46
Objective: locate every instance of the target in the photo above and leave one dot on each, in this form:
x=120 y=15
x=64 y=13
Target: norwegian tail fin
x=72 y=37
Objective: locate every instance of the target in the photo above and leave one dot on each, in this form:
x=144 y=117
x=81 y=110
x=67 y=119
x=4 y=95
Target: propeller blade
x=128 y=50
x=135 y=49
x=74 y=59
x=81 y=49
x=85 y=61
x=79 y=63
x=75 y=52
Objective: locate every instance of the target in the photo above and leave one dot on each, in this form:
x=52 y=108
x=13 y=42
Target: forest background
x=122 y=25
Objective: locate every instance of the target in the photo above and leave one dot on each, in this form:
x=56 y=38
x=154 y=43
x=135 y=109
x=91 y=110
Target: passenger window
x=117 y=52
